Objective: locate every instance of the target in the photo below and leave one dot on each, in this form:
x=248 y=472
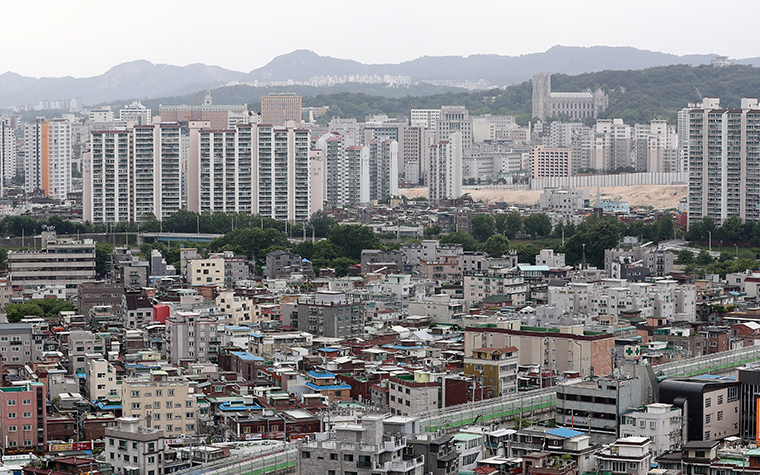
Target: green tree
x=322 y=223
x=703 y=258
x=432 y=231
x=538 y=225
x=352 y=238
x=513 y=224
x=250 y=242
x=103 y=258
x=464 y=238
x=598 y=234
x=37 y=307
x=685 y=256
x=496 y=245
x=482 y=226
x=731 y=229
x=341 y=265
x=149 y=223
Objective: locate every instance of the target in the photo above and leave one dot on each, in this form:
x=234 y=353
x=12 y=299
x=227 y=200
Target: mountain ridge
x=140 y=78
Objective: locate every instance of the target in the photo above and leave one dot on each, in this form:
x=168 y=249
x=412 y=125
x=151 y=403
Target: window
x=135 y=394
x=11 y=428
x=652 y=424
x=305 y=455
x=11 y=402
x=27 y=415
x=26 y=402
x=159 y=393
x=333 y=456
x=188 y=403
x=720 y=399
x=707 y=418
x=11 y=415
x=708 y=402
x=733 y=394
x=348 y=457
x=189 y=415
x=720 y=415
x=135 y=405
x=170 y=392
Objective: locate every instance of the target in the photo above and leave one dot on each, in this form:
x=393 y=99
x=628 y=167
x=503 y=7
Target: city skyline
x=179 y=23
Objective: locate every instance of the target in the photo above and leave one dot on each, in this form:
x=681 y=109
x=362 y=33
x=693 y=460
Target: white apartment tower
x=445 y=175
x=132 y=172
x=223 y=166
x=7 y=149
x=724 y=160
x=47 y=165
x=281 y=173
x=383 y=169
x=346 y=170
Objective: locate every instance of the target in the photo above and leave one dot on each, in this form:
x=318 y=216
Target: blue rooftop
x=321 y=374
x=245 y=356
x=238 y=406
x=237 y=328
x=330 y=387
x=328 y=350
x=104 y=405
x=715 y=376
x=564 y=432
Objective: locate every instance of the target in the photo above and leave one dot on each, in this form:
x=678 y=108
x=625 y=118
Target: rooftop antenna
x=583 y=259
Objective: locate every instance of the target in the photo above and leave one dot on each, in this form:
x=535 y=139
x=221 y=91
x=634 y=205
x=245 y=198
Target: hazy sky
x=85 y=38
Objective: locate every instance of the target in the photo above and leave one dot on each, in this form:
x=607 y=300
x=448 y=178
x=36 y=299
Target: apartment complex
x=493 y=368
x=47 y=157
x=445 y=174
x=23 y=417
x=7 y=148
x=128 y=174
x=331 y=314
x=724 y=161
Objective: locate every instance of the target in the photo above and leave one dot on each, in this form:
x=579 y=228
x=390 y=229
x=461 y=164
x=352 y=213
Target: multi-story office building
x=47 y=157
x=219 y=116
x=168 y=402
x=132 y=449
x=711 y=404
x=427 y=118
x=575 y=105
x=550 y=162
x=59 y=261
x=137 y=113
x=445 y=174
x=724 y=161
x=279 y=109
x=454 y=119
x=23 y=417
x=596 y=405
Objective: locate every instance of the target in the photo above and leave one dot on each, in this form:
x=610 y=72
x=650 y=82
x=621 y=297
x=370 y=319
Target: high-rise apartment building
x=281 y=173
x=130 y=173
x=383 y=169
x=724 y=161
x=278 y=109
x=414 y=148
x=47 y=158
x=7 y=149
x=445 y=174
x=612 y=145
x=221 y=163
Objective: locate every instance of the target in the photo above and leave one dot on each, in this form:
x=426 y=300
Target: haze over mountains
x=141 y=79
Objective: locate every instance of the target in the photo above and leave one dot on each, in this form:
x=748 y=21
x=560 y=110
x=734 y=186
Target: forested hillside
x=635 y=96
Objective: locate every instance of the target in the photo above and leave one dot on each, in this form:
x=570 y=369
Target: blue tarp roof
x=244 y=355
x=564 y=432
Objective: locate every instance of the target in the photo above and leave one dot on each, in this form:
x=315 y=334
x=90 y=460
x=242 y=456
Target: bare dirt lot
x=657 y=196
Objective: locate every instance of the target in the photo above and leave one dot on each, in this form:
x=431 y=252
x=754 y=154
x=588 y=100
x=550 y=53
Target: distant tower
x=207 y=99
x=542 y=86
